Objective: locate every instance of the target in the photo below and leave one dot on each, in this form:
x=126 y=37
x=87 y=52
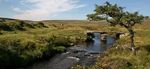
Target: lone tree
x=116 y=15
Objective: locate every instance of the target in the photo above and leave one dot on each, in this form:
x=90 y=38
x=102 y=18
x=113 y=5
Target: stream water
x=83 y=54
x=97 y=45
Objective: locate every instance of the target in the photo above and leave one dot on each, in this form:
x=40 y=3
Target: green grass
x=37 y=41
x=19 y=48
x=24 y=47
x=121 y=57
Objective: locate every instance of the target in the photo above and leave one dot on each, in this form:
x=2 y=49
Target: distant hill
x=7 y=19
x=2 y=19
x=9 y=24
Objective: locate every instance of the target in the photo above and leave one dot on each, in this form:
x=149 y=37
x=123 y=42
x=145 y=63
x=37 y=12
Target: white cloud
x=16 y=9
x=42 y=9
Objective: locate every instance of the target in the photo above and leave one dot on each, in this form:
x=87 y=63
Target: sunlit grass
x=19 y=47
x=121 y=57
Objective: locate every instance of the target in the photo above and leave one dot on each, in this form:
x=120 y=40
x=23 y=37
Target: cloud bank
x=42 y=9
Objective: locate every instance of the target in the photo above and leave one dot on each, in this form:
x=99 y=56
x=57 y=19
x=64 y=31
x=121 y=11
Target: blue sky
x=63 y=9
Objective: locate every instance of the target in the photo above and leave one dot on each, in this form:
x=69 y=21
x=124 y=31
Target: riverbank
x=36 y=42
x=120 y=55
x=24 y=43
x=84 y=53
x=65 y=61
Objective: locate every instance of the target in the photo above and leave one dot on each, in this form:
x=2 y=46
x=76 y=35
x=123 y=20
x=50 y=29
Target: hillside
x=23 y=43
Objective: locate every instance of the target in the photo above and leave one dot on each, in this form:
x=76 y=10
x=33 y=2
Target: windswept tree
x=116 y=15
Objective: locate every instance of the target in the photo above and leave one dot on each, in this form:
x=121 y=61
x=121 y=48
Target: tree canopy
x=116 y=15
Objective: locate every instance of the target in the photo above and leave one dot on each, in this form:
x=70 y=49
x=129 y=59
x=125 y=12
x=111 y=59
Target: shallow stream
x=82 y=53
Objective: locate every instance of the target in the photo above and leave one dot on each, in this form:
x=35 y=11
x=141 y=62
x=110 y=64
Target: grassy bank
x=23 y=44
x=121 y=57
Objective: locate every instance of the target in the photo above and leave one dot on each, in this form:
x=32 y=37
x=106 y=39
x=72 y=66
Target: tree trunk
x=132 y=41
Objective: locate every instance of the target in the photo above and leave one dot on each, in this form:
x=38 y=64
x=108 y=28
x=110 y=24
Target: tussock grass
x=121 y=57
x=38 y=41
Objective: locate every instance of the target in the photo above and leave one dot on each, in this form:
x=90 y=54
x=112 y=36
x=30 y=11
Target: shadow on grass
x=146 y=47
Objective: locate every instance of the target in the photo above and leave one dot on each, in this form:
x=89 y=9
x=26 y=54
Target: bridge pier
x=118 y=35
x=90 y=36
x=103 y=38
x=103 y=35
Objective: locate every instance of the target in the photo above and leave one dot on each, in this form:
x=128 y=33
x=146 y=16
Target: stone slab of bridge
x=104 y=34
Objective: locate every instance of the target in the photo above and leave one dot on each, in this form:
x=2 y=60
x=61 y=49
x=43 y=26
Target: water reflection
x=97 y=45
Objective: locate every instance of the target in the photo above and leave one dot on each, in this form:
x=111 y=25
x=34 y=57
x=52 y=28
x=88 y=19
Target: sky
x=63 y=9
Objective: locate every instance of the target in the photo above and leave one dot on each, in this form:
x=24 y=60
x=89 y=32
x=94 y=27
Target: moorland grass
x=120 y=55
x=24 y=47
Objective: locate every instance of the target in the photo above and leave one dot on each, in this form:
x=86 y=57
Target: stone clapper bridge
x=103 y=34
